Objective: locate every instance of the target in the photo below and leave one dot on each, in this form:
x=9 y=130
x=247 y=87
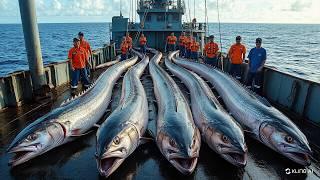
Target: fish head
x=114 y=145
x=180 y=147
x=227 y=139
x=286 y=139
x=34 y=141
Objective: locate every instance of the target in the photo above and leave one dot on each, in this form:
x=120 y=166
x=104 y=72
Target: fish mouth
x=22 y=154
x=236 y=158
x=108 y=165
x=184 y=165
x=299 y=157
x=20 y=157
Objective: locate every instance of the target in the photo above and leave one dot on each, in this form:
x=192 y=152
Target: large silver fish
x=218 y=129
x=177 y=136
x=121 y=133
x=264 y=122
x=72 y=119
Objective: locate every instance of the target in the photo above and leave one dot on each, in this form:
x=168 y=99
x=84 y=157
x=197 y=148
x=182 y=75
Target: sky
x=233 y=11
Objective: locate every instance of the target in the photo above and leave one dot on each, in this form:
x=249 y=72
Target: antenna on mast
x=120 y=8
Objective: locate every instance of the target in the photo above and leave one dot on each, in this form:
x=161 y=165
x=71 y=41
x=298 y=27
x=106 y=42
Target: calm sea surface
x=291 y=48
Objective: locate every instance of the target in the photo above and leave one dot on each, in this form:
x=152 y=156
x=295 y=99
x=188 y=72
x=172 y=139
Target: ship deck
x=76 y=160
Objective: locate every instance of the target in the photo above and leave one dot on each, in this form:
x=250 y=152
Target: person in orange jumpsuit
x=86 y=45
x=78 y=57
x=237 y=54
x=143 y=43
x=124 y=47
x=129 y=43
x=171 y=42
x=211 y=51
x=182 y=46
x=194 y=49
x=188 y=46
x=128 y=40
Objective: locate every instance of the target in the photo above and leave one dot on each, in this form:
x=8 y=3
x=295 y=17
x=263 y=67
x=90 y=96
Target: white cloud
x=284 y=11
x=289 y=11
x=3 y=5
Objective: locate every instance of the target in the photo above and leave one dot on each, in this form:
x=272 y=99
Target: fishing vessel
x=23 y=99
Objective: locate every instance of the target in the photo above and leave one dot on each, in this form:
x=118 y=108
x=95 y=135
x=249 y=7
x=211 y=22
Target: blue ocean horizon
x=291 y=48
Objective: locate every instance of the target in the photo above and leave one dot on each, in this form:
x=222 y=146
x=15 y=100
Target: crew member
x=124 y=49
x=194 y=49
x=237 y=54
x=171 y=42
x=78 y=57
x=129 y=43
x=143 y=43
x=182 y=46
x=129 y=40
x=85 y=44
x=188 y=46
x=257 y=58
x=211 y=51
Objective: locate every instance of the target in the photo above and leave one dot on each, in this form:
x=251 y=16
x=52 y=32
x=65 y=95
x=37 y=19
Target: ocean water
x=294 y=49
x=291 y=48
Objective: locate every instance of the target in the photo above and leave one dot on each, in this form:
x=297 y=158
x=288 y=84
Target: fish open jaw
x=18 y=156
x=108 y=165
x=300 y=158
x=185 y=165
x=237 y=159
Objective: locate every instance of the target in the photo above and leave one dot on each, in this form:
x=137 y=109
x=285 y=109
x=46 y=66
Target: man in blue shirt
x=257 y=58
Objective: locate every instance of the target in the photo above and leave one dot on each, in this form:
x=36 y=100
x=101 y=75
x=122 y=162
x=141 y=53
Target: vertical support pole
x=202 y=43
x=32 y=42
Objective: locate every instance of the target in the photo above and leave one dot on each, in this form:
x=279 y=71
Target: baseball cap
x=76 y=39
x=258 y=40
x=238 y=38
x=80 y=34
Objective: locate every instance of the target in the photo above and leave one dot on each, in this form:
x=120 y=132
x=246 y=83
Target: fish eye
x=225 y=139
x=194 y=141
x=116 y=140
x=32 y=137
x=172 y=143
x=289 y=139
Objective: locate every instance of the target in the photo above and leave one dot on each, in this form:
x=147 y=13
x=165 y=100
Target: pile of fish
x=180 y=126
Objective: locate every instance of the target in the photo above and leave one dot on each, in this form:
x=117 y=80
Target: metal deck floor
x=76 y=160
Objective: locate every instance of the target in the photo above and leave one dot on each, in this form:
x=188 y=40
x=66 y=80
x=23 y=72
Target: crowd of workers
x=189 y=48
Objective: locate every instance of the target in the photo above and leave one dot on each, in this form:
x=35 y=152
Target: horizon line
x=301 y=23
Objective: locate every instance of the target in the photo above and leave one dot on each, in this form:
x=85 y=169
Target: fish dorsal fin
x=78 y=95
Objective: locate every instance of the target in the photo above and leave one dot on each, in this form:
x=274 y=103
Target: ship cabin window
x=160 y=18
x=148 y=18
x=175 y=17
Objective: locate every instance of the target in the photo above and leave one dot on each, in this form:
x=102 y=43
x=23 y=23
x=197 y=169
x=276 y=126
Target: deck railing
x=16 y=88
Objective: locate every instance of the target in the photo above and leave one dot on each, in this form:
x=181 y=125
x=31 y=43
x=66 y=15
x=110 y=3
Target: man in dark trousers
x=85 y=44
x=237 y=54
x=211 y=51
x=257 y=58
x=143 y=43
x=182 y=46
x=78 y=58
x=171 y=42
